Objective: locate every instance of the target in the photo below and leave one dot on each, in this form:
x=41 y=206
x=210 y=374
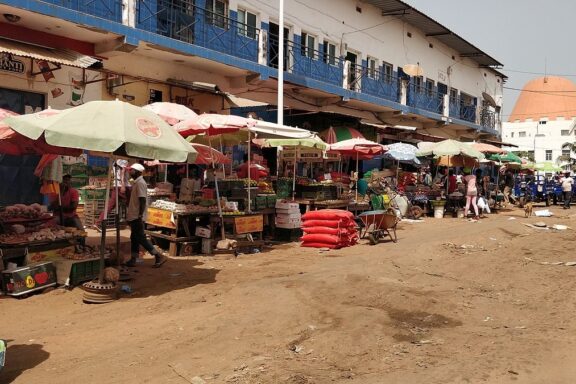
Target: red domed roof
x=546 y=97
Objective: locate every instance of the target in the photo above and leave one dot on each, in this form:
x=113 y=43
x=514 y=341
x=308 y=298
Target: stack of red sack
x=329 y=228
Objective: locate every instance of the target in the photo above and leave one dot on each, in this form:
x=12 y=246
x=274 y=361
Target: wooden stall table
x=331 y=204
x=308 y=203
x=175 y=224
x=250 y=223
x=358 y=208
x=269 y=218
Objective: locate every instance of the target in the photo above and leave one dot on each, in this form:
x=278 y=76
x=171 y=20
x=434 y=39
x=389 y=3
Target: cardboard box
x=280 y=211
x=297 y=215
x=203 y=232
x=288 y=225
x=287 y=205
x=288 y=220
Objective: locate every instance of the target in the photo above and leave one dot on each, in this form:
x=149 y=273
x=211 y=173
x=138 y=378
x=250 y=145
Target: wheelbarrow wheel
x=416 y=212
x=373 y=238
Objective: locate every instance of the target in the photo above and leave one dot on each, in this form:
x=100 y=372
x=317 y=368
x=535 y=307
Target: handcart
x=377 y=224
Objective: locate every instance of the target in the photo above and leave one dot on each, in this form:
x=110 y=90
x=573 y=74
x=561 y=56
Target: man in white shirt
x=567 y=183
x=136 y=215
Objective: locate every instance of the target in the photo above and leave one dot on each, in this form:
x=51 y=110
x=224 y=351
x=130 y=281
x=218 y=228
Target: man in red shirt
x=452 y=182
x=69 y=198
x=242 y=170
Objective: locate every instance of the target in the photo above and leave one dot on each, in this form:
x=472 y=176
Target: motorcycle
x=524 y=193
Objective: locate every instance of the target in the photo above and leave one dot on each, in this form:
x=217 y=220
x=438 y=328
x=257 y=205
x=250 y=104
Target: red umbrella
x=208 y=156
x=487 y=148
x=212 y=124
x=334 y=135
x=331 y=136
x=359 y=148
x=171 y=113
x=13 y=143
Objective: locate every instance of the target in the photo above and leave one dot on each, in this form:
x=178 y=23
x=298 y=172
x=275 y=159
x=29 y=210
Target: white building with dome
x=543 y=120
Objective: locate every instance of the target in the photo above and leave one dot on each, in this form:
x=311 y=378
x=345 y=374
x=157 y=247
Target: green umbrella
x=506 y=158
x=547 y=167
x=450 y=148
x=112 y=127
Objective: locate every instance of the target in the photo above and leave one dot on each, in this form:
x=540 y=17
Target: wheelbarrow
x=377 y=224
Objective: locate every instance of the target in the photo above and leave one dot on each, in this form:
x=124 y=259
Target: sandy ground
x=452 y=302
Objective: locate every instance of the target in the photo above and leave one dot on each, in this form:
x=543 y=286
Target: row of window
x=548 y=154
x=217 y=11
x=563 y=132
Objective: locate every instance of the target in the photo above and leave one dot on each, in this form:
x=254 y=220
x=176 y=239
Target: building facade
x=382 y=63
x=543 y=120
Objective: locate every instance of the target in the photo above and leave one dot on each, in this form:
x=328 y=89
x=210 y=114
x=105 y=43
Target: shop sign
x=160 y=218
x=249 y=224
x=30 y=278
x=9 y=64
x=309 y=155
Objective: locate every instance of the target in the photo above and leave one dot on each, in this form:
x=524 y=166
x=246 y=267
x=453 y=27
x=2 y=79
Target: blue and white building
x=379 y=63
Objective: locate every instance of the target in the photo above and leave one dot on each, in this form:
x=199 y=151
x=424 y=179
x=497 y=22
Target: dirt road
x=452 y=302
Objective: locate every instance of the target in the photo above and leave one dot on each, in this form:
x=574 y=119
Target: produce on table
x=203 y=206
x=22 y=211
x=44 y=234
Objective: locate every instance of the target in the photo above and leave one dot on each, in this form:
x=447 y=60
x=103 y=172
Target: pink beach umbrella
x=13 y=143
x=212 y=124
x=171 y=113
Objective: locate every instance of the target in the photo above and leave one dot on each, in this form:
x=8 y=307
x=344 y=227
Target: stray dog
x=528 y=209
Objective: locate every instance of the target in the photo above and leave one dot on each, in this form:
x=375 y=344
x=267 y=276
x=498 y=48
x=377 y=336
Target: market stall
x=113 y=128
x=30 y=236
x=177 y=224
x=451 y=153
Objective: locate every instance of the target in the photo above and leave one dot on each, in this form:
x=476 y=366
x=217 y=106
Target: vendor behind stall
x=67 y=206
x=242 y=170
x=362 y=184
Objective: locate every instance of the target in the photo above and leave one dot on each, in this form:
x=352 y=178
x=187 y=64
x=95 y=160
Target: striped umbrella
x=340 y=134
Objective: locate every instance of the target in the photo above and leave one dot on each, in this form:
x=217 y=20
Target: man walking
x=136 y=215
x=567 y=183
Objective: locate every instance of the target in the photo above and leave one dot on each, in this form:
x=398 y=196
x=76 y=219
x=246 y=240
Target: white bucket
x=438 y=211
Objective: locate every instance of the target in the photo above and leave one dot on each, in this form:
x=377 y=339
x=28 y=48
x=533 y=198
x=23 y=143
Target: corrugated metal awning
x=432 y=28
x=53 y=55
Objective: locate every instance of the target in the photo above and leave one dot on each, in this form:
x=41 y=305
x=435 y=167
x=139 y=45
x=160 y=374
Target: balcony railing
x=306 y=62
x=374 y=82
x=461 y=110
x=105 y=9
x=182 y=20
x=424 y=98
x=488 y=118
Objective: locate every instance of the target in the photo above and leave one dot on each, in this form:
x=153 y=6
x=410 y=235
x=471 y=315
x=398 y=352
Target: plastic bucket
x=438 y=211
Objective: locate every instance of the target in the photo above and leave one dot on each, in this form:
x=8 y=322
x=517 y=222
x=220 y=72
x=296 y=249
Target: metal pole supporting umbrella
x=222 y=151
x=357 y=176
x=117 y=214
x=294 y=174
x=218 y=203
x=103 y=223
x=249 y=174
